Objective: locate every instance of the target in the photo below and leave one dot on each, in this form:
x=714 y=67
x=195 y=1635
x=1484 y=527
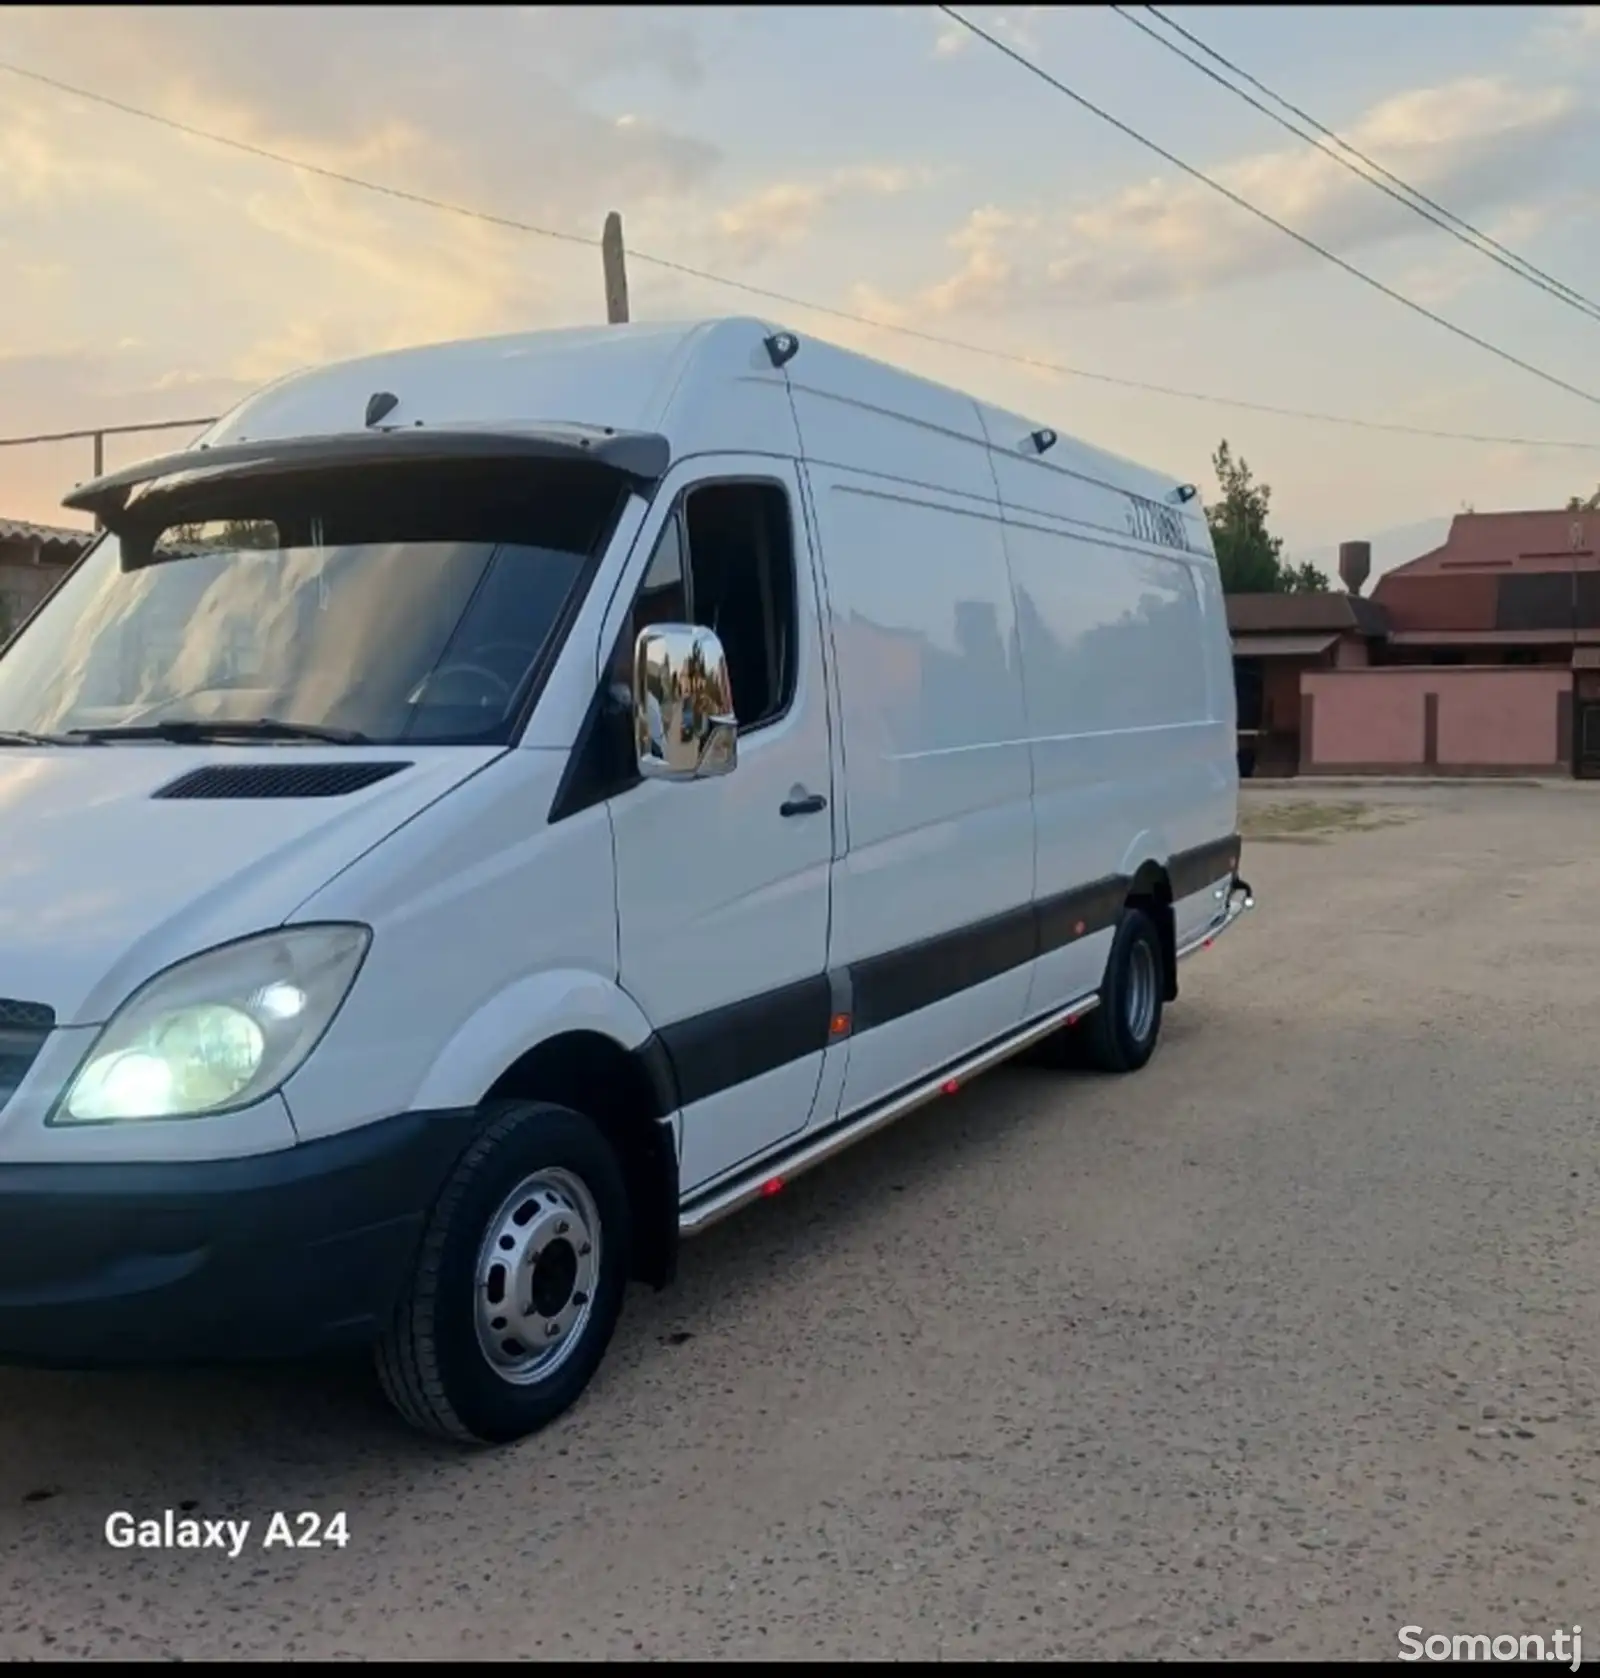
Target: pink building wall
x=1475 y=720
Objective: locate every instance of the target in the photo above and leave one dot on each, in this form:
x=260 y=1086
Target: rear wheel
x=518 y=1283
x=1121 y=1034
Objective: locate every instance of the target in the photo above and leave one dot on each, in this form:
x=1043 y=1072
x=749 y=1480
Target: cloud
x=787 y=212
x=1476 y=145
x=35 y=168
x=404 y=87
x=1015 y=25
x=1570 y=28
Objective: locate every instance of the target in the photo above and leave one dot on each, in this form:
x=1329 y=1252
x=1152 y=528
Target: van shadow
x=311 y=1434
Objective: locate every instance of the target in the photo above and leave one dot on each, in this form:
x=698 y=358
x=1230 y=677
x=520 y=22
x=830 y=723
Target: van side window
x=742 y=587
x=725 y=561
x=739 y=583
x=663 y=597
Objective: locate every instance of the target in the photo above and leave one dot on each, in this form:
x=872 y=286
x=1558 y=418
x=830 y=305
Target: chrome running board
x=773 y=1172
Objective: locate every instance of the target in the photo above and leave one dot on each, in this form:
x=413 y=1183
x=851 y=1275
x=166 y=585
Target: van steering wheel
x=501 y=688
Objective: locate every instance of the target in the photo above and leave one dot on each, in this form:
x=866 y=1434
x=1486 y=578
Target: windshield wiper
x=195 y=732
x=21 y=737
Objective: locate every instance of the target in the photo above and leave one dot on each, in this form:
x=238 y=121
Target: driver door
x=723 y=884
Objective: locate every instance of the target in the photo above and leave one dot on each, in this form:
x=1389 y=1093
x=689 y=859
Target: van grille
x=23 y=1029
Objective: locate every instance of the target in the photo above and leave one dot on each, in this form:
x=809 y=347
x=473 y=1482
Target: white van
x=487 y=811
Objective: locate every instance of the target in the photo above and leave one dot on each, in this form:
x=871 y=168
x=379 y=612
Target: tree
x=232 y=533
x=1304 y=578
x=1584 y=504
x=1248 y=554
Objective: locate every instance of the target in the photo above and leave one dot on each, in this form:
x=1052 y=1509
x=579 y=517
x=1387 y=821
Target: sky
x=875 y=160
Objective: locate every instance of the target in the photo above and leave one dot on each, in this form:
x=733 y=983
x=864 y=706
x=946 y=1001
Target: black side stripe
x=733 y=1044
x=1192 y=871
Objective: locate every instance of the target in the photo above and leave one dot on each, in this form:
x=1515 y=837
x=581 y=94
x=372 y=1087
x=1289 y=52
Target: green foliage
x=231 y=533
x=1304 y=578
x=1249 y=556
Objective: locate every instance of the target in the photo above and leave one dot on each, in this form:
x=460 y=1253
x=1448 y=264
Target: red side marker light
x=772 y=1186
x=1078 y=929
x=949 y=1086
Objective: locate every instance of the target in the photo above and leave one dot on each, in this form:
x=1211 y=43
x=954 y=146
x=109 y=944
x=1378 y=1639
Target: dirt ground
x=1281 y=1345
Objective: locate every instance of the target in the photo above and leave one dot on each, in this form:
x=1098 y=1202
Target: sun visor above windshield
x=640 y=455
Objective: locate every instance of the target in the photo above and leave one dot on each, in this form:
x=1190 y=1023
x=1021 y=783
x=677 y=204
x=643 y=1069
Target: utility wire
x=686 y=270
x=1474 y=242
x=1522 y=262
x=1262 y=215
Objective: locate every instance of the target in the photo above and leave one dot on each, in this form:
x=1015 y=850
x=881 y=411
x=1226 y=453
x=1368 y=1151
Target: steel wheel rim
x=1141 y=1002
x=537 y=1272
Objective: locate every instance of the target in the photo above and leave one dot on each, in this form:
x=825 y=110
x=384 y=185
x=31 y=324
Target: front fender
x=521 y=1017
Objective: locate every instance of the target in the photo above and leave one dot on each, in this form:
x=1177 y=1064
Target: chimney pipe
x=1355 y=565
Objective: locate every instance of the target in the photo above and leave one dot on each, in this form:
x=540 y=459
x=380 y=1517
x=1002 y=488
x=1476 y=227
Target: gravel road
x=1282 y=1344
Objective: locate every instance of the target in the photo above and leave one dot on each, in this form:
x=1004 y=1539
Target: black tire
x=1121 y=1035
x=431 y=1362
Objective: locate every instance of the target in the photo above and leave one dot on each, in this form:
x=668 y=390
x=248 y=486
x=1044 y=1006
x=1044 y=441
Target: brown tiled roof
x=1497 y=542
x=1288 y=614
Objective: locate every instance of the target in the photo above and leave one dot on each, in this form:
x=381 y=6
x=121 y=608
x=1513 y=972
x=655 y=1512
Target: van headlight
x=218 y=1031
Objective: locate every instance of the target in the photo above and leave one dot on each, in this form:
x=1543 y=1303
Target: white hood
x=102 y=885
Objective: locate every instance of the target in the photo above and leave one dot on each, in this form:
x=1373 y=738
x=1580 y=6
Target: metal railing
x=97 y=436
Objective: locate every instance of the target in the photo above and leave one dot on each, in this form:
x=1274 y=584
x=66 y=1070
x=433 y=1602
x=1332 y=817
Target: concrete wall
x=1447 y=720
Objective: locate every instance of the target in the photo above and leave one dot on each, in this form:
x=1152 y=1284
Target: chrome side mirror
x=684 y=728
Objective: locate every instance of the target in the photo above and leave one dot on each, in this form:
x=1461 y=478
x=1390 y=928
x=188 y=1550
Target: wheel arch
x=1150 y=889
x=632 y=1095
x=578 y=1039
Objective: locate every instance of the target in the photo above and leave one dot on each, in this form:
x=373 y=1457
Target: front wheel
x=518 y=1282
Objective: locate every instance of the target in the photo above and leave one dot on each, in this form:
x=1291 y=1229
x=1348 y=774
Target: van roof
x=697 y=383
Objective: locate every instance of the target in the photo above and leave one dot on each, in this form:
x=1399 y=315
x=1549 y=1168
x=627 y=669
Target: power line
x=1262 y=215
x=1408 y=197
x=1370 y=163
x=1474 y=242
x=515 y=225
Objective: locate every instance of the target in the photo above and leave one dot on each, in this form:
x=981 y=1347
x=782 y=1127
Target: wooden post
x=615 y=261
x=99 y=465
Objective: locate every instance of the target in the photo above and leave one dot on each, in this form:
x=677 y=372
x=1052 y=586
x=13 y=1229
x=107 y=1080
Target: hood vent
x=278 y=780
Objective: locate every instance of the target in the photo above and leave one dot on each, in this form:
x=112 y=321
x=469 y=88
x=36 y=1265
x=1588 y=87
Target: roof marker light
x=782 y=347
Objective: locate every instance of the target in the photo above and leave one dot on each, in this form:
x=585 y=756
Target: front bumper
x=279 y=1255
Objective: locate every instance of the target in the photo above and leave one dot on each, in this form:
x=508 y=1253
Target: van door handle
x=802 y=803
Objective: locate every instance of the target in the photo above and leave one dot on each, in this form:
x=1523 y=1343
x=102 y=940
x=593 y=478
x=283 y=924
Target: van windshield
x=372 y=604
